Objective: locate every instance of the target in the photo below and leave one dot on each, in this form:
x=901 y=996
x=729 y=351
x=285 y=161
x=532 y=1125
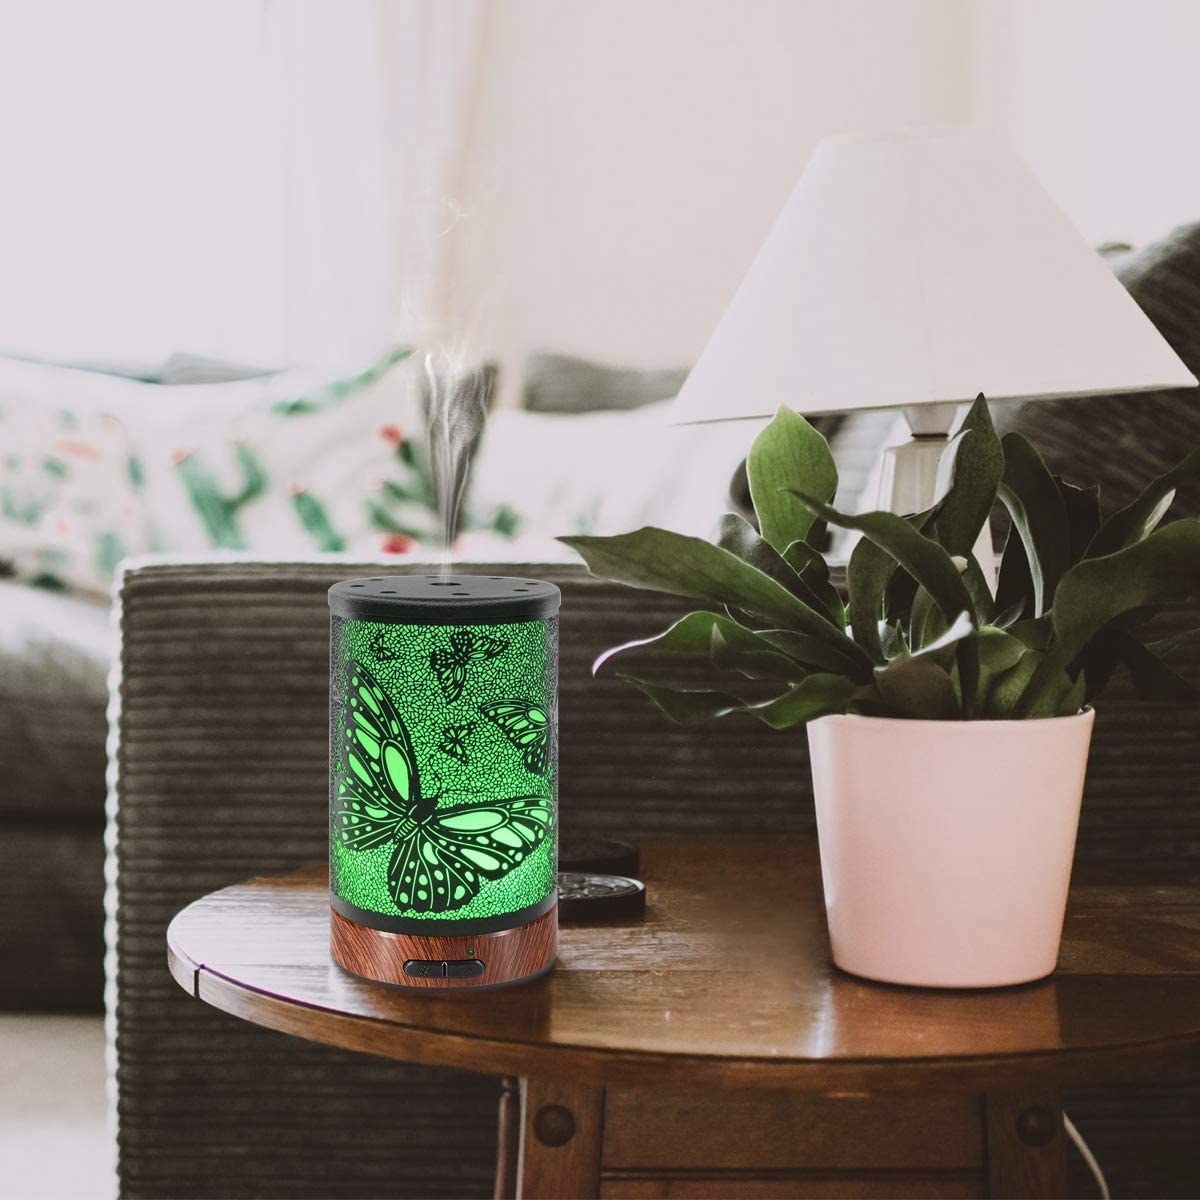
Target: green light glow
x=474 y=761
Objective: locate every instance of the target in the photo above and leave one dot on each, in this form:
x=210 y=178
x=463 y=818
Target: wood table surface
x=727 y=982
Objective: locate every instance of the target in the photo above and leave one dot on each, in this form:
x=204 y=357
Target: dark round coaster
x=602 y=856
x=587 y=896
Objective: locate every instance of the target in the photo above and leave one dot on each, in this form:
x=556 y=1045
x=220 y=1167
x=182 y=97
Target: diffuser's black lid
x=454 y=599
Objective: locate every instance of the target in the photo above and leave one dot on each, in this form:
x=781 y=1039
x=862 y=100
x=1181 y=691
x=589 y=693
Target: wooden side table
x=712 y=1050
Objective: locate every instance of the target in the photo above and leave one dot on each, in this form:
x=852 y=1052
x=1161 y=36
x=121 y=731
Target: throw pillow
x=539 y=475
x=70 y=508
x=293 y=464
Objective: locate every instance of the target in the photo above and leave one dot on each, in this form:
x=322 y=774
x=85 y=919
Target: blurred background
x=281 y=181
x=231 y=231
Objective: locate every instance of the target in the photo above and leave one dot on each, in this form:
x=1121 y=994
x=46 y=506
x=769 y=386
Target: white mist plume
x=456 y=413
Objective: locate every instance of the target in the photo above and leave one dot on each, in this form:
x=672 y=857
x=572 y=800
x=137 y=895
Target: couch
x=220 y=772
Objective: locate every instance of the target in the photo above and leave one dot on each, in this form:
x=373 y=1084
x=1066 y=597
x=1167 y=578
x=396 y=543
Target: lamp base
x=411 y=960
x=908 y=484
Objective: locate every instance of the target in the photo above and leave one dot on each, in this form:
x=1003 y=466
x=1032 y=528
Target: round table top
x=726 y=981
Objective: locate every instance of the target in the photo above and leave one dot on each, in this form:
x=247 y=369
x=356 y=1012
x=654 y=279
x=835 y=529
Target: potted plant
x=949 y=726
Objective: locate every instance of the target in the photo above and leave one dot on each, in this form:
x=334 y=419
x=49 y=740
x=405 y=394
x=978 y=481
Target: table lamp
x=914 y=270
x=443 y=765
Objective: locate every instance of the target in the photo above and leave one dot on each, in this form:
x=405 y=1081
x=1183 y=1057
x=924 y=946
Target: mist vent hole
x=460 y=593
x=520 y=589
x=452 y=583
x=386 y=592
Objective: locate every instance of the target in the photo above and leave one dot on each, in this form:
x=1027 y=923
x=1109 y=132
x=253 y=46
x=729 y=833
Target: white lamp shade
x=922 y=268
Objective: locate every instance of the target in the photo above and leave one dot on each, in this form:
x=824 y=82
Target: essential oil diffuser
x=443 y=762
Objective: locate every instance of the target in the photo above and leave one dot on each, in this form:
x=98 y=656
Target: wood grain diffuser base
x=443 y=769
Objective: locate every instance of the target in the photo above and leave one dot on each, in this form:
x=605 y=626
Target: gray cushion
x=557 y=383
x=55 y=651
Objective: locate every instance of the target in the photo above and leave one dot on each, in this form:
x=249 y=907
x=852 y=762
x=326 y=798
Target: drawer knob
x=554 y=1125
x=1036 y=1126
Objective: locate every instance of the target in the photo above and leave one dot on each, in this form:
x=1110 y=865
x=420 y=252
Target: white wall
x=1103 y=98
x=627 y=157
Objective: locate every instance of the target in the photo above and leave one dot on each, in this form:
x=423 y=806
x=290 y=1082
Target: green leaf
x=926 y=622
x=693 y=634
x=1039 y=516
x=893 y=639
x=974 y=463
x=941 y=649
x=1009 y=686
x=740 y=538
x=983 y=603
x=1061 y=697
x=754 y=664
x=868 y=574
x=1151 y=676
x=811 y=566
x=998 y=652
x=686 y=707
x=1035 y=632
x=1163 y=567
x=816 y=696
x=1136 y=520
x=1008 y=617
x=688 y=566
x=1083 y=515
x=918 y=689
x=789 y=453
x=1014 y=581
x=810 y=652
x=922 y=557
x=919 y=685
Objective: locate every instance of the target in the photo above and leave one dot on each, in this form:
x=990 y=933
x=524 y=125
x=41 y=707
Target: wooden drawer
x=816 y=1185
x=781 y=1131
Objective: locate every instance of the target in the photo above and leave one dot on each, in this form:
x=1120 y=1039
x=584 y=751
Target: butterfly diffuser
x=443 y=762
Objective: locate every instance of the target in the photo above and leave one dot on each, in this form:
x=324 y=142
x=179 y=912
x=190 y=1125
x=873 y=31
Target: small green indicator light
x=470 y=953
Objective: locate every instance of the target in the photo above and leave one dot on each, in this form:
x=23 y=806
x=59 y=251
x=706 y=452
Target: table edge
x=1164 y=1059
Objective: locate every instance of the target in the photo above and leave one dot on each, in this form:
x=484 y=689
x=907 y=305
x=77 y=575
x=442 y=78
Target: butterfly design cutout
x=441 y=857
x=450 y=664
x=454 y=739
x=527 y=726
x=381 y=650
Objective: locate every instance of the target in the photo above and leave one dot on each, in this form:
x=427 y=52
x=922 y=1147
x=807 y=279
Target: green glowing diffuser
x=443 y=765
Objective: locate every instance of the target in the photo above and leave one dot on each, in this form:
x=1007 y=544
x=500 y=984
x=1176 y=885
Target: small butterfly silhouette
x=381 y=650
x=454 y=739
x=527 y=726
x=466 y=646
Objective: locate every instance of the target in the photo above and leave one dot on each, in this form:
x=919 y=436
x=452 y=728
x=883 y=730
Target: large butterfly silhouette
x=527 y=726
x=441 y=857
x=466 y=646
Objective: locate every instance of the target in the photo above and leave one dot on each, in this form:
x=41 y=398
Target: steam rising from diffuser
x=456 y=413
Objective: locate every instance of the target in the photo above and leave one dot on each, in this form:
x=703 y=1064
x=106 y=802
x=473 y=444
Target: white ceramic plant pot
x=946 y=846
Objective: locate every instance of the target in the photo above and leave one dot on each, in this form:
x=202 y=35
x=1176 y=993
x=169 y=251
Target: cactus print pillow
x=70 y=508
x=304 y=462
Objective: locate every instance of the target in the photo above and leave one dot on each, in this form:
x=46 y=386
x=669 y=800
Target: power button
x=425 y=968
